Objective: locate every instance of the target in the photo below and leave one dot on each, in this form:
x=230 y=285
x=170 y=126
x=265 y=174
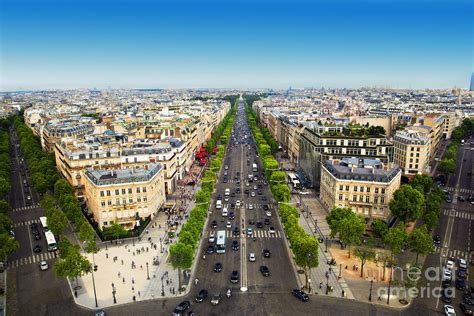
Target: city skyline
x=239 y=44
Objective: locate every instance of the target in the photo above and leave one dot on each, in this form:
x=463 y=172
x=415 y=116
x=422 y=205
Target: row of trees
x=8 y=244
x=182 y=252
x=305 y=247
x=222 y=134
x=448 y=163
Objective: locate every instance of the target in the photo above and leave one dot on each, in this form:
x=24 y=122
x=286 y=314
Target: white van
x=224 y=212
x=227 y=192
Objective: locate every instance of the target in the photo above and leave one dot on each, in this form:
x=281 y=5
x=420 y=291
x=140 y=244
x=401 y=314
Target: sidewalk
x=128 y=268
x=3 y=293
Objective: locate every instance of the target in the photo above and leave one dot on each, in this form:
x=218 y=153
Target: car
x=237 y=190
x=37 y=236
x=447 y=295
x=218 y=267
x=210 y=249
x=247 y=185
x=265 y=207
x=461 y=198
x=236 y=231
x=219 y=197
x=268 y=213
x=450 y=263
x=469 y=301
x=462 y=274
x=446 y=283
x=237 y=203
x=301 y=295
x=266 y=253
x=259 y=192
x=255 y=187
x=437 y=240
x=216 y=299
x=228 y=225
x=214 y=224
x=252 y=194
x=225 y=180
x=34 y=228
x=461 y=284
x=226 y=199
x=234 y=276
x=43 y=265
x=264 y=198
x=266 y=221
x=212 y=237
x=466 y=309
x=271 y=230
x=235 y=245
x=449 y=310
x=252 y=257
x=251 y=221
x=231 y=215
x=202 y=295
x=249 y=231
x=26 y=190
x=181 y=308
x=251 y=207
x=37 y=248
x=225 y=173
x=447 y=275
x=448 y=199
x=462 y=263
x=259 y=225
x=265 y=271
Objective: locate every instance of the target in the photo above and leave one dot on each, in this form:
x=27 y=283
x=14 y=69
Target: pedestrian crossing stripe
x=452 y=253
x=256 y=233
x=270 y=206
x=26 y=223
x=461 y=190
x=32 y=259
x=23 y=208
x=459 y=214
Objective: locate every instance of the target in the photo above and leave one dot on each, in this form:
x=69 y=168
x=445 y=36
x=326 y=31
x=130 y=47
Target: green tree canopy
x=380 y=227
x=396 y=238
x=281 y=192
x=336 y=215
x=4 y=206
x=351 y=229
x=57 y=222
x=278 y=177
x=407 y=203
x=365 y=252
x=420 y=242
x=422 y=181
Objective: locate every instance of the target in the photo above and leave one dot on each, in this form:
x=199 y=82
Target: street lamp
x=162 y=286
x=161 y=245
x=93 y=281
x=113 y=293
x=327 y=282
x=326 y=245
x=147 y=272
x=308 y=258
x=370 y=294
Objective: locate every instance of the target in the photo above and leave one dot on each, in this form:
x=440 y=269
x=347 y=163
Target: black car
x=37 y=236
x=202 y=295
x=232 y=205
x=462 y=274
x=225 y=180
x=446 y=283
x=237 y=190
x=219 y=197
x=302 y=296
x=236 y=231
x=461 y=284
x=264 y=270
x=259 y=192
x=234 y=276
x=246 y=191
x=259 y=225
x=235 y=245
x=437 y=240
x=251 y=222
x=264 y=198
x=461 y=199
x=266 y=253
x=267 y=221
x=34 y=228
x=214 y=224
x=465 y=309
x=210 y=249
x=218 y=267
x=231 y=215
x=37 y=248
x=181 y=308
x=469 y=301
x=265 y=207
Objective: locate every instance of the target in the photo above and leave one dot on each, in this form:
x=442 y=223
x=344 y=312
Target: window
x=418 y=149
x=354 y=198
x=411 y=160
x=341 y=187
x=123 y=191
x=144 y=190
x=383 y=190
x=361 y=198
x=367 y=199
x=355 y=189
x=412 y=149
x=139 y=199
x=340 y=197
x=102 y=203
x=376 y=190
x=138 y=190
x=382 y=200
x=108 y=192
x=144 y=199
x=376 y=199
x=130 y=200
x=361 y=189
x=347 y=188
x=109 y=202
x=117 y=192
x=417 y=154
x=124 y=201
x=117 y=201
x=129 y=190
x=410 y=166
x=368 y=189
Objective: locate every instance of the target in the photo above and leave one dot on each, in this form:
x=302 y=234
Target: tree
x=336 y=215
x=281 y=192
x=72 y=264
x=181 y=257
x=396 y=238
x=5 y=187
x=203 y=196
x=380 y=227
x=424 y=181
x=57 y=222
x=351 y=229
x=264 y=150
x=8 y=245
x=278 y=177
x=420 y=242
x=365 y=252
x=4 y=207
x=115 y=230
x=431 y=219
x=62 y=187
x=305 y=249
x=447 y=166
x=407 y=203
x=376 y=130
x=86 y=232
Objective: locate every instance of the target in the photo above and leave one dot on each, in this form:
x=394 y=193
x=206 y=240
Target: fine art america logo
x=407 y=284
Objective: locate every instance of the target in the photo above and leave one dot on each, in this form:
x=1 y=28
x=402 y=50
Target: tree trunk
x=349 y=250
x=383 y=273
x=362 y=261
x=179 y=280
x=416 y=260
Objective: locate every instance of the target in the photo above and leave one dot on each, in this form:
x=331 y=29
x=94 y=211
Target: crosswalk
x=26 y=223
x=259 y=233
x=251 y=183
x=459 y=214
x=461 y=190
x=32 y=259
x=452 y=253
x=24 y=208
x=246 y=205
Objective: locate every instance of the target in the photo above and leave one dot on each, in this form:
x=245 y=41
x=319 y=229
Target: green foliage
x=375 y=130
x=336 y=215
x=407 y=203
x=396 y=238
x=305 y=249
x=115 y=230
x=431 y=219
x=281 y=193
x=71 y=263
x=447 y=165
x=379 y=227
x=420 y=242
x=57 y=222
x=5 y=188
x=365 y=252
x=264 y=150
x=422 y=181
x=278 y=177
x=4 y=207
x=347 y=224
x=181 y=255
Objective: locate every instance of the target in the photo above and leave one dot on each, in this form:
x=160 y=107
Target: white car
x=247 y=184
x=228 y=225
x=447 y=275
x=255 y=187
x=462 y=263
x=237 y=203
x=449 y=310
x=43 y=265
x=212 y=237
x=252 y=257
x=271 y=230
x=250 y=206
x=450 y=264
x=226 y=199
x=253 y=193
x=268 y=213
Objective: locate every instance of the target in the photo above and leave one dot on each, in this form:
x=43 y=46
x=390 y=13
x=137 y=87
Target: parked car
x=202 y=295
x=301 y=295
x=181 y=308
x=234 y=276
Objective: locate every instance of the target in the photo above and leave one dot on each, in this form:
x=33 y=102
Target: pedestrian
x=196 y=281
x=379 y=298
x=133 y=281
x=320 y=285
x=167 y=282
x=133 y=289
x=138 y=293
x=146 y=249
x=107 y=255
x=134 y=298
x=123 y=279
x=122 y=261
x=134 y=253
x=118 y=274
x=141 y=267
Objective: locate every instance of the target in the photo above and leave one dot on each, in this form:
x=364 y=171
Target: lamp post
x=161 y=245
x=93 y=281
x=340 y=270
x=327 y=282
x=370 y=293
x=308 y=278
x=113 y=293
x=326 y=250
x=147 y=272
x=162 y=286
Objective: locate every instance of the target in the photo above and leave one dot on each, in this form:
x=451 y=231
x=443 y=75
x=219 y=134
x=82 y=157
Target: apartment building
x=412 y=152
x=318 y=145
x=55 y=130
x=125 y=196
x=436 y=122
x=364 y=185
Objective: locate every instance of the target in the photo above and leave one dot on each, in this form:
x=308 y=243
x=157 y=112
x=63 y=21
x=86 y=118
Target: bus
x=293 y=180
x=254 y=167
x=51 y=241
x=220 y=242
x=44 y=223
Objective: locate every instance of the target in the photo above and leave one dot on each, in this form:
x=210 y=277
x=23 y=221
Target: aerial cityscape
x=236 y=157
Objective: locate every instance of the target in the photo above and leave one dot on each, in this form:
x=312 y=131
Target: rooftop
x=357 y=169
x=121 y=176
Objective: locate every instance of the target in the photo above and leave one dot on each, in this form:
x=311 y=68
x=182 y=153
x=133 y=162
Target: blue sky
x=243 y=44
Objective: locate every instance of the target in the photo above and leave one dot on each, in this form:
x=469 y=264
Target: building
x=124 y=196
x=364 y=185
x=436 y=122
x=55 y=130
x=317 y=147
x=412 y=152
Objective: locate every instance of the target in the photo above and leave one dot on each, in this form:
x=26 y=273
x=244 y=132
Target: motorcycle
x=229 y=293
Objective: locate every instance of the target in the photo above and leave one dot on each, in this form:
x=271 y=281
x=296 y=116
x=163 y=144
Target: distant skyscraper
x=472 y=82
